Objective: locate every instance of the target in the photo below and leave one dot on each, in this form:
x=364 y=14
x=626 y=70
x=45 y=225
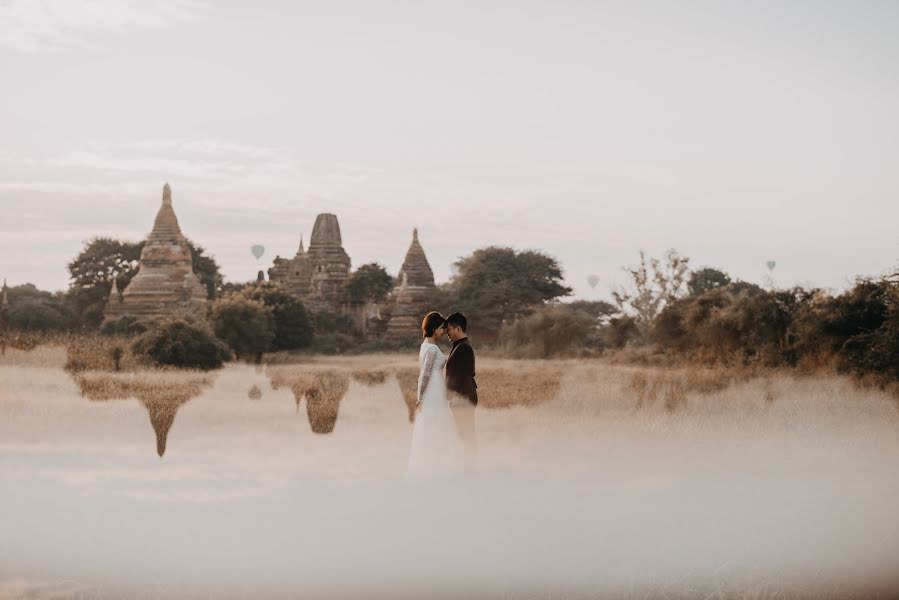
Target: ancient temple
x=408 y=301
x=317 y=276
x=165 y=282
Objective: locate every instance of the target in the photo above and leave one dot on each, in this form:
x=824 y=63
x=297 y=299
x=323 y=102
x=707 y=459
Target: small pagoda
x=165 y=283
x=409 y=299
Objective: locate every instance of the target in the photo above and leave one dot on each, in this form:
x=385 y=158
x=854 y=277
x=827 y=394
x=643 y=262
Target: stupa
x=165 y=282
x=317 y=276
x=409 y=298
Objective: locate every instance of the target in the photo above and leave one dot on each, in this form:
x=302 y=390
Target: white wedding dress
x=436 y=449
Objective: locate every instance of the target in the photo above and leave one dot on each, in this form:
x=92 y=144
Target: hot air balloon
x=770 y=264
x=593 y=280
x=257 y=251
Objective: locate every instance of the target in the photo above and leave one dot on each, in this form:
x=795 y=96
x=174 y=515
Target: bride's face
x=440 y=332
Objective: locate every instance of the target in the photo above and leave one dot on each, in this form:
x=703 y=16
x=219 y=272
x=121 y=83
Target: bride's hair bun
x=431 y=323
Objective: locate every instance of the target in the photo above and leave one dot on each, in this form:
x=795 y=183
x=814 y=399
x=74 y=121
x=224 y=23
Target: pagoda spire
x=5 y=301
x=166 y=224
x=114 y=293
x=415 y=270
x=302 y=249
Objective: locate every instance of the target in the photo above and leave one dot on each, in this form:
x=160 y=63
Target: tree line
x=517 y=303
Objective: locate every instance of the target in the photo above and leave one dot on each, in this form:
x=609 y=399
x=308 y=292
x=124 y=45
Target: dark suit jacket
x=460 y=370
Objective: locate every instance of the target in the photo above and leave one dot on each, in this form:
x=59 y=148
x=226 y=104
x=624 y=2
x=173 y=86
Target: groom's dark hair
x=458 y=320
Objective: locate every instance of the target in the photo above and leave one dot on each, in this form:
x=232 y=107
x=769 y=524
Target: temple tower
x=409 y=299
x=165 y=282
x=316 y=276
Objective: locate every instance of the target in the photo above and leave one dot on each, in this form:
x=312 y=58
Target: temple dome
x=326 y=231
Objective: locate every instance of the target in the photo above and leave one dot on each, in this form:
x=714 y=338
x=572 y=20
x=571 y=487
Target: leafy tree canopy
x=706 y=279
x=598 y=309
x=181 y=343
x=497 y=283
x=293 y=326
x=246 y=325
x=369 y=283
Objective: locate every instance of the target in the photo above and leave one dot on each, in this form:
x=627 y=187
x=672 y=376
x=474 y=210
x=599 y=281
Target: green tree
x=92 y=273
x=104 y=260
x=706 y=279
x=293 y=326
x=494 y=283
x=247 y=326
x=369 y=283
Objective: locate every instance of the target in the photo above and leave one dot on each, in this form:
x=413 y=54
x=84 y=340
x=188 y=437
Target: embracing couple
x=443 y=437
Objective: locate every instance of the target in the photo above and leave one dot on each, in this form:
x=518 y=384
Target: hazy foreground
x=286 y=481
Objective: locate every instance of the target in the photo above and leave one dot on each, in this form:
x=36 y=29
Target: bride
x=436 y=448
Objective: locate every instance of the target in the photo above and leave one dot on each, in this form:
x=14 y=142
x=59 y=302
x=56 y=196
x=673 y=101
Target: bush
x=706 y=279
x=247 y=326
x=862 y=326
x=621 y=331
x=38 y=316
x=181 y=343
x=38 y=311
x=292 y=325
x=858 y=330
x=734 y=322
x=126 y=325
x=553 y=331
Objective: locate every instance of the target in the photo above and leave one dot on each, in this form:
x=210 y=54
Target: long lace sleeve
x=424 y=376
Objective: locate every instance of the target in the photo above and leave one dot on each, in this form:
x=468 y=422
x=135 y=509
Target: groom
x=463 y=391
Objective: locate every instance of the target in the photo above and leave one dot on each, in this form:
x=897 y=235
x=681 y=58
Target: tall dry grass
x=148 y=385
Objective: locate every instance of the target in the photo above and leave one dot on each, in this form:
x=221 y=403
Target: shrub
x=181 y=343
x=126 y=325
x=292 y=325
x=247 y=326
x=706 y=279
x=38 y=317
x=863 y=328
x=552 y=331
x=621 y=331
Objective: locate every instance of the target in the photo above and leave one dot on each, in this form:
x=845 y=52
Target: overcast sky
x=735 y=132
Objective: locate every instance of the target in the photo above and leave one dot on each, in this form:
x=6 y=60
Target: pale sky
x=735 y=132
